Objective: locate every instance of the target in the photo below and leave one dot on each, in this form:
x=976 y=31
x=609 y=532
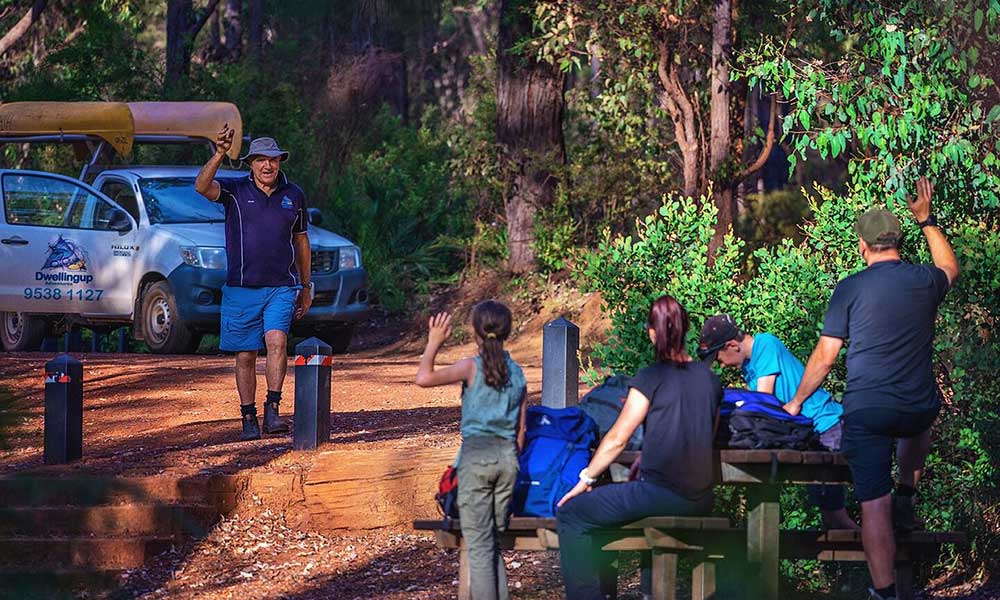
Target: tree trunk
x=529 y=131
x=674 y=100
x=183 y=25
x=719 y=136
x=22 y=26
x=255 y=33
x=232 y=29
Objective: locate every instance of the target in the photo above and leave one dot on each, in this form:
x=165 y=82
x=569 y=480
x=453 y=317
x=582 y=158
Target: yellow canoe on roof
x=190 y=119
x=110 y=121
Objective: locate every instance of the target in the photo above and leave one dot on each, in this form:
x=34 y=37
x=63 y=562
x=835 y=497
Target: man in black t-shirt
x=886 y=313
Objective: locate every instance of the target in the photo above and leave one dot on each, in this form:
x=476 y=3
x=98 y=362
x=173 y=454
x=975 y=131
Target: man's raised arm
x=205 y=184
x=941 y=252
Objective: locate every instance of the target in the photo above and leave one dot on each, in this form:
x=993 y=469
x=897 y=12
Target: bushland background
x=529 y=149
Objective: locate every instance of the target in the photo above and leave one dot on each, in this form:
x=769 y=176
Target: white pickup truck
x=140 y=247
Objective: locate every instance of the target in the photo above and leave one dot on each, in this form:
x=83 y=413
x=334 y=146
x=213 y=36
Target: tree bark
x=529 y=132
x=232 y=29
x=255 y=33
x=22 y=26
x=719 y=136
x=183 y=25
x=675 y=101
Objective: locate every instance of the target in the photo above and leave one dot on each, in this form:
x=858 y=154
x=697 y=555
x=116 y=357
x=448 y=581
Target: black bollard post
x=122 y=340
x=312 y=394
x=560 y=364
x=63 y=410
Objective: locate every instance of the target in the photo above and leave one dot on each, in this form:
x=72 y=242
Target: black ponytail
x=491 y=321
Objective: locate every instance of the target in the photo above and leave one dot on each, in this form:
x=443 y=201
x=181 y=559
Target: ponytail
x=491 y=321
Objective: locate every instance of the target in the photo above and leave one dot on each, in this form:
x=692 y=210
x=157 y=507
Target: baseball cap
x=714 y=334
x=878 y=226
x=265 y=146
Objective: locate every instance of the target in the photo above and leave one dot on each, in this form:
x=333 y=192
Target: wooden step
x=93 y=491
x=58 y=552
x=40 y=584
x=109 y=521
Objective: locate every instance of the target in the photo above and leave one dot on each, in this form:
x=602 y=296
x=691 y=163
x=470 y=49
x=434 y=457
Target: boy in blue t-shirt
x=769 y=367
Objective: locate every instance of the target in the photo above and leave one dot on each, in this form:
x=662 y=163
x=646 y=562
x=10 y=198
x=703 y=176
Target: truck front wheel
x=20 y=332
x=162 y=324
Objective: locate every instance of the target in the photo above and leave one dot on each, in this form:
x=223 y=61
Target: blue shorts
x=247 y=312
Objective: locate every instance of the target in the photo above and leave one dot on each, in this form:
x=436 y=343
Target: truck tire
x=339 y=338
x=162 y=325
x=20 y=332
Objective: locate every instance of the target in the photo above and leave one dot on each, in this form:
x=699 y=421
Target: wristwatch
x=931 y=220
x=586 y=478
x=312 y=290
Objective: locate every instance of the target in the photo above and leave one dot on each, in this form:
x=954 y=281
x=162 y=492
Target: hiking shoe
x=272 y=422
x=904 y=514
x=251 y=430
x=873 y=595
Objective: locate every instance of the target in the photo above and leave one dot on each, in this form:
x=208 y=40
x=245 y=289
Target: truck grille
x=325 y=261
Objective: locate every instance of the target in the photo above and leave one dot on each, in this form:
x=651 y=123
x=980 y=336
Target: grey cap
x=265 y=146
x=878 y=226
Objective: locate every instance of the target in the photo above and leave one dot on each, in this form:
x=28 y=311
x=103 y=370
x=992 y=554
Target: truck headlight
x=350 y=257
x=204 y=257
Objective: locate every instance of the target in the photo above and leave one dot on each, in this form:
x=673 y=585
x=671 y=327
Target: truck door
x=68 y=249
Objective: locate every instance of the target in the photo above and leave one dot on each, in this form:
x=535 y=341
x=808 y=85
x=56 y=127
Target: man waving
x=267 y=283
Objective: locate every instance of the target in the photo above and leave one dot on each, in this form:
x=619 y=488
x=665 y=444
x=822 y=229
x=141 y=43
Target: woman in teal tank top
x=493 y=392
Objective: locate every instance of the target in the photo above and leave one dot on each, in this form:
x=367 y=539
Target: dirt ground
x=148 y=415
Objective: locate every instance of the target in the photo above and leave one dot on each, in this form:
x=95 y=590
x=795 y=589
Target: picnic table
x=764 y=472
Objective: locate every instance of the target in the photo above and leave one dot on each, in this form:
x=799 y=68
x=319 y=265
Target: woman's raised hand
x=440 y=329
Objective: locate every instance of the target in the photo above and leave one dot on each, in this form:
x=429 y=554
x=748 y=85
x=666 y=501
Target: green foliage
x=906 y=95
x=668 y=255
x=555 y=234
x=398 y=202
x=772 y=217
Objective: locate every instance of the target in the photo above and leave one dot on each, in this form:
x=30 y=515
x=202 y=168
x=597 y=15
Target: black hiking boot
x=904 y=514
x=272 y=422
x=251 y=430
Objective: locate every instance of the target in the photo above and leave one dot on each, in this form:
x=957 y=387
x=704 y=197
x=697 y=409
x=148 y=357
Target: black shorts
x=869 y=436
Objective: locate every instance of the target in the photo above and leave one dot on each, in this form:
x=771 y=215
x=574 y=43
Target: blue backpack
x=557 y=447
x=757 y=421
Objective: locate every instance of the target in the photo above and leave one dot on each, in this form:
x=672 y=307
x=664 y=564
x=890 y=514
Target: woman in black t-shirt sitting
x=678 y=400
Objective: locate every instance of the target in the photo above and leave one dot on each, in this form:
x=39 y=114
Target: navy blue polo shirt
x=259 y=231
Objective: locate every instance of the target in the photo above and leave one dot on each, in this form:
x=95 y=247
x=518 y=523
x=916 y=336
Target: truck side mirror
x=315 y=216
x=119 y=222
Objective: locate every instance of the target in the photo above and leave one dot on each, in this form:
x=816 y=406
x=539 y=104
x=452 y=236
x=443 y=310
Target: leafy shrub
x=786 y=292
x=398 y=202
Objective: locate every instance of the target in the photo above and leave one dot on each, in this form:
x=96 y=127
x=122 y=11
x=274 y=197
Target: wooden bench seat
x=707 y=539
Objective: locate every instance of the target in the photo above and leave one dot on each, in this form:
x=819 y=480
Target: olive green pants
x=487 y=468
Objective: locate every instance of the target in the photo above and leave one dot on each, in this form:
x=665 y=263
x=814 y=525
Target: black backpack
x=757 y=421
x=604 y=403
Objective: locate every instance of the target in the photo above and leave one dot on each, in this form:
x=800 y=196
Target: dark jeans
x=587 y=570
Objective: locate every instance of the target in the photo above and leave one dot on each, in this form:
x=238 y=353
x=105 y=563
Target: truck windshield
x=173 y=200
